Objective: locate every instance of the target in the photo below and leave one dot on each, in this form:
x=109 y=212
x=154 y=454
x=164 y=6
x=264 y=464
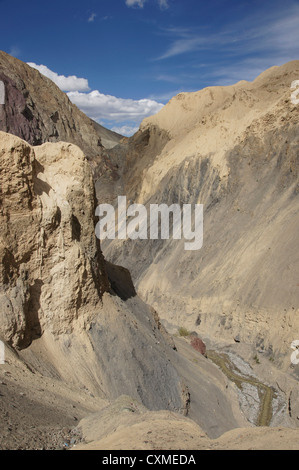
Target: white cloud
x=70 y=83
x=99 y=106
x=14 y=51
x=126 y=130
x=163 y=4
x=275 y=33
x=135 y=3
x=181 y=46
x=92 y=17
x=106 y=109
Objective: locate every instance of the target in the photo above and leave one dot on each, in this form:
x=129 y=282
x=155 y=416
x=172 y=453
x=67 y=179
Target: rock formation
x=53 y=274
x=47 y=239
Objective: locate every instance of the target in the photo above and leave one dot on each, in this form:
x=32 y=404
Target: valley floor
x=42 y=412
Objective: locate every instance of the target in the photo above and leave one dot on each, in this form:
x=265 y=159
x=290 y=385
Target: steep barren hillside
x=235 y=150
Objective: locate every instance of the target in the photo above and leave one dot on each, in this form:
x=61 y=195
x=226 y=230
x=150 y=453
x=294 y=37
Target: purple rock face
x=198 y=345
x=33 y=108
x=16 y=114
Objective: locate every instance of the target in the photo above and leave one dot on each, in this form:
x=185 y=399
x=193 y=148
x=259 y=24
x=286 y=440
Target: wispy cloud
x=168 y=78
x=274 y=34
x=135 y=3
x=166 y=96
x=15 y=51
x=92 y=17
x=183 y=45
x=163 y=4
x=272 y=41
x=125 y=130
x=247 y=69
x=70 y=83
x=183 y=40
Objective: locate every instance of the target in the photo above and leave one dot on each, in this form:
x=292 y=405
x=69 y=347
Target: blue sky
x=122 y=60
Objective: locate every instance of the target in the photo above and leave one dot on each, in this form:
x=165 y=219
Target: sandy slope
x=233 y=149
x=126 y=426
x=41 y=411
x=161 y=433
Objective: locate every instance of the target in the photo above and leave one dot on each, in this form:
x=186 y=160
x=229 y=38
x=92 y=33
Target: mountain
x=37 y=111
x=69 y=317
x=192 y=350
x=233 y=149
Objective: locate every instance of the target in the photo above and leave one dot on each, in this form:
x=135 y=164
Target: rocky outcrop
x=59 y=306
x=51 y=263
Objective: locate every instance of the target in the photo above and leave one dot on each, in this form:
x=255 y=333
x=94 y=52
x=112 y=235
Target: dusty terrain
x=163 y=431
x=39 y=410
x=94 y=351
x=235 y=150
x=73 y=325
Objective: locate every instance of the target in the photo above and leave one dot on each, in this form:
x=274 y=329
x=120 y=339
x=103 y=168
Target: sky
x=120 y=61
